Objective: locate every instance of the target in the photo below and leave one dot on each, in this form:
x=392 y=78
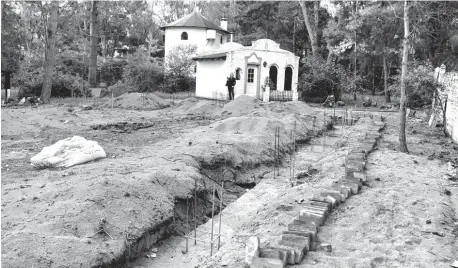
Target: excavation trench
x=237 y=181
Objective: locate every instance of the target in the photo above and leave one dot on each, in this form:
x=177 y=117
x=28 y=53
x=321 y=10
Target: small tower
x=194 y=29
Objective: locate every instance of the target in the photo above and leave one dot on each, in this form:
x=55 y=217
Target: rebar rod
x=195 y=208
x=213 y=214
x=187 y=222
x=220 y=214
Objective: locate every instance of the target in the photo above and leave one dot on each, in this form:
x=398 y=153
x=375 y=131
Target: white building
x=216 y=58
x=251 y=65
x=194 y=29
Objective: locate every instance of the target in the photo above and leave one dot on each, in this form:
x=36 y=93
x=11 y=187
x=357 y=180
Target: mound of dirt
x=240 y=106
x=138 y=101
x=194 y=106
x=290 y=107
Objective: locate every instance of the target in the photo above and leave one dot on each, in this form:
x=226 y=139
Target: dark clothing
x=230 y=83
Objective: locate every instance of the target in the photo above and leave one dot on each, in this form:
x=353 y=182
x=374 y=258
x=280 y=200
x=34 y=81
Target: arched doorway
x=288 y=78
x=273 y=73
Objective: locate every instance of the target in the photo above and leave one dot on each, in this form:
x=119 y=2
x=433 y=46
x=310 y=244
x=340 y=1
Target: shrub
x=420 y=85
x=118 y=89
x=111 y=71
x=173 y=84
x=140 y=75
x=30 y=83
x=179 y=60
x=320 y=79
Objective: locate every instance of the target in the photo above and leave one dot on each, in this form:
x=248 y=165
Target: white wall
x=211 y=75
x=211 y=79
x=280 y=59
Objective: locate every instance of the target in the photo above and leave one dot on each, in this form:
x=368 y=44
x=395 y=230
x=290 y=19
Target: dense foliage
x=358 y=41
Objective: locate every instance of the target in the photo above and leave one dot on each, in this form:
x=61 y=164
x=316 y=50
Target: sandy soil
x=58 y=212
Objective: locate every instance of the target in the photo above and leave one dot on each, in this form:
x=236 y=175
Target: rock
x=428 y=221
x=326 y=247
x=251 y=249
x=340 y=103
x=455 y=264
x=374 y=104
x=86 y=107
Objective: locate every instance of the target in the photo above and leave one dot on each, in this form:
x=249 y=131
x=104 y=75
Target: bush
x=173 y=84
x=118 y=89
x=420 y=85
x=141 y=75
x=31 y=83
x=180 y=62
x=111 y=72
x=320 y=79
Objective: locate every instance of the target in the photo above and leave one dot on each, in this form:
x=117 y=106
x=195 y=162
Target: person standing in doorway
x=230 y=83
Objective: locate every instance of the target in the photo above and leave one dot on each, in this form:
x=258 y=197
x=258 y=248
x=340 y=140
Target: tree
x=311 y=29
x=179 y=60
x=94 y=45
x=405 y=58
x=50 y=43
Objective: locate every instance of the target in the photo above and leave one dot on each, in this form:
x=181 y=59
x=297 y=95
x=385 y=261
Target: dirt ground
x=386 y=225
x=59 y=212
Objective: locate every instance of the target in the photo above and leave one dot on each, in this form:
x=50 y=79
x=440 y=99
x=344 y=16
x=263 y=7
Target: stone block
x=274 y=253
x=295 y=241
x=309 y=216
x=251 y=249
x=319 y=204
x=352 y=184
x=258 y=262
x=361 y=176
x=358 y=150
x=355 y=165
x=310 y=233
x=343 y=189
x=316 y=208
x=328 y=199
x=334 y=194
x=304 y=225
x=326 y=247
x=356 y=156
x=297 y=253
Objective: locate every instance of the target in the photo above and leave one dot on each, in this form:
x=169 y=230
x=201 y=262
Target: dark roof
x=194 y=20
x=214 y=56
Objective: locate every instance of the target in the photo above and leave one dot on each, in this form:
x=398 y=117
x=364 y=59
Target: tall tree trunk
x=94 y=42
x=50 y=42
x=385 y=80
x=354 y=74
x=104 y=47
x=373 y=77
x=294 y=37
x=310 y=29
x=405 y=55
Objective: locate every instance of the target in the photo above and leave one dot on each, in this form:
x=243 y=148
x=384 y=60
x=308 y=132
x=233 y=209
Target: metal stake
x=195 y=218
x=213 y=214
x=220 y=214
x=187 y=223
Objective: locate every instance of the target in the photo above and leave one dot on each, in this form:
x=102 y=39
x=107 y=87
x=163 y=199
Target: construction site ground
x=149 y=172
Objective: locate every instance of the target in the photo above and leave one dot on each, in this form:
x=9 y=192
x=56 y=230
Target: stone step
x=301 y=242
x=276 y=253
x=259 y=262
x=310 y=216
